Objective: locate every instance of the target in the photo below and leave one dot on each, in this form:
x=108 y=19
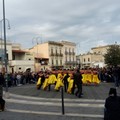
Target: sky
x=88 y=23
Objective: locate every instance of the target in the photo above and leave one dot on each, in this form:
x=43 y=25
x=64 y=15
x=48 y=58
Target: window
x=13 y=57
x=56 y=62
x=52 y=62
x=51 y=50
x=70 y=58
x=73 y=58
x=69 y=50
x=60 y=51
x=66 y=58
x=84 y=59
x=88 y=59
x=60 y=62
x=56 y=51
x=72 y=49
x=65 y=49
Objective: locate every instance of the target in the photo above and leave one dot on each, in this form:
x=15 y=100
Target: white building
x=17 y=59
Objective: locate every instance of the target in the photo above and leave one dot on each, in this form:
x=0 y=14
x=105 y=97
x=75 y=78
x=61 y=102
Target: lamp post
x=5 y=51
x=78 y=63
x=37 y=67
x=1 y=21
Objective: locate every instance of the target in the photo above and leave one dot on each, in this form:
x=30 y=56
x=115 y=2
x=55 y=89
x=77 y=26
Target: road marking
x=57 y=99
x=55 y=104
x=55 y=113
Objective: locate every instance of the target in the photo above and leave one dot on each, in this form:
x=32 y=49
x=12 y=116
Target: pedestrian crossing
x=92 y=108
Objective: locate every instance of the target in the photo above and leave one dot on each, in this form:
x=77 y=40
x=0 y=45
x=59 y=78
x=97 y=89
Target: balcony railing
x=56 y=54
x=70 y=62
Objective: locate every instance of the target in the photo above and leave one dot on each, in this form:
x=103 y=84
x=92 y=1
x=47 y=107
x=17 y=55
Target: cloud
x=86 y=22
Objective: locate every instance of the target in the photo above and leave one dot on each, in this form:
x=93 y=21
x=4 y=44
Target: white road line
x=55 y=113
x=55 y=104
x=57 y=99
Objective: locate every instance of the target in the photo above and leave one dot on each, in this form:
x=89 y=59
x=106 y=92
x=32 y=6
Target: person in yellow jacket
x=59 y=83
x=89 y=76
x=46 y=84
x=52 y=78
x=40 y=80
x=70 y=84
x=96 y=81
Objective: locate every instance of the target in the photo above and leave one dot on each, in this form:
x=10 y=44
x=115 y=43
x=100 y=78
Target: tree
x=112 y=57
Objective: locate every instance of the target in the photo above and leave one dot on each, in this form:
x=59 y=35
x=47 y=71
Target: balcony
x=56 y=54
x=66 y=53
x=52 y=54
x=61 y=55
x=70 y=62
x=73 y=53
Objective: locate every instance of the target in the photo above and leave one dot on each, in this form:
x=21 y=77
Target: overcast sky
x=88 y=23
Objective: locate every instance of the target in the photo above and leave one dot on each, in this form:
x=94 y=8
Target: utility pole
x=5 y=51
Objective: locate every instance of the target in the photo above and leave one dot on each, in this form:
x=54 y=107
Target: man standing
x=2 y=102
x=2 y=80
x=78 y=82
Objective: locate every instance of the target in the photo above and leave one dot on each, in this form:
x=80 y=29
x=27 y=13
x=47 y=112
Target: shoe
x=76 y=94
x=82 y=94
x=79 y=96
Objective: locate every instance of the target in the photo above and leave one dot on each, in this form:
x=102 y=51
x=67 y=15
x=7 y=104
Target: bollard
x=62 y=97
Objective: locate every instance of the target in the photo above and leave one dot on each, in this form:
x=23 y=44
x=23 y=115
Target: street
x=26 y=102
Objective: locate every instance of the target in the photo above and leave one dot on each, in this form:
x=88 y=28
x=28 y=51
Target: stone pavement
x=26 y=102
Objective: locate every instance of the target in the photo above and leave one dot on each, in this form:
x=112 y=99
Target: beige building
x=100 y=50
x=91 y=60
x=47 y=55
x=54 y=55
x=69 y=54
x=95 y=58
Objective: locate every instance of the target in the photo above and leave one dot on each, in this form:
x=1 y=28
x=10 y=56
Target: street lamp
x=5 y=51
x=78 y=63
x=36 y=53
x=1 y=21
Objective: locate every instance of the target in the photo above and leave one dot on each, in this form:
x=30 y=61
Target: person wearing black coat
x=112 y=106
x=78 y=82
x=2 y=82
x=2 y=101
x=66 y=82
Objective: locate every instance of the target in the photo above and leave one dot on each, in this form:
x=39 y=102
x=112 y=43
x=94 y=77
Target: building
x=8 y=54
x=95 y=58
x=21 y=59
x=47 y=55
x=54 y=55
x=17 y=58
x=91 y=60
x=69 y=54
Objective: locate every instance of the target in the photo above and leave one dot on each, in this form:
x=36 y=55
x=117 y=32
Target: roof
x=41 y=58
x=19 y=51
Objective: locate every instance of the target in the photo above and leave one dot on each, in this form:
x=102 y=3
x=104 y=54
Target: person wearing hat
x=112 y=106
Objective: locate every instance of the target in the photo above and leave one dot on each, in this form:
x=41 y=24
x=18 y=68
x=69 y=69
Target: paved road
x=26 y=102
